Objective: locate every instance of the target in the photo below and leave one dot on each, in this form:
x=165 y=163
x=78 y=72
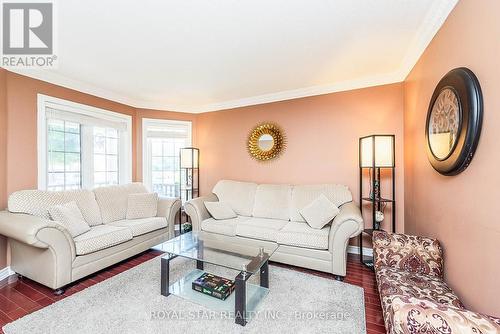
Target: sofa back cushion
x=273 y=201
x=112 y=200
x=303 y=195
x=239 y=195
x=37 y=203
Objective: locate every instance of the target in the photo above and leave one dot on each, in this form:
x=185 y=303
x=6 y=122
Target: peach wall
x=459 y=210
x=158 y=114
x=322 y=139
x=3 y=160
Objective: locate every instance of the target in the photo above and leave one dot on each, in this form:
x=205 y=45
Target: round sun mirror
x=265 y=142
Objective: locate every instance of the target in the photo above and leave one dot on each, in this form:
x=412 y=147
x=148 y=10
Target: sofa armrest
x=37 y=232
x=347 y=224
x=25 y=228
x=197 y=211
x=414 y=315
x=169 y=207
x=407 y=252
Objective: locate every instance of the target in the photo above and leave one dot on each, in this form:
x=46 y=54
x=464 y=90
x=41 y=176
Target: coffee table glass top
x=214 y=249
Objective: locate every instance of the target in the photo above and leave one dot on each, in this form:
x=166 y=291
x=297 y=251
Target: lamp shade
x=189 y=157
x=379 y=146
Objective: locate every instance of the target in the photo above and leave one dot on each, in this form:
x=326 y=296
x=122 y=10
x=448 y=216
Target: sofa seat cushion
x=143 y=225
x=303 y=235
x=101 y=237
x=393 y=281
x=224 y=226
x=113 y=200
x=260 y=228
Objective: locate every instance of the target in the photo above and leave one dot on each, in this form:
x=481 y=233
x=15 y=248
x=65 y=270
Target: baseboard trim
x=6 y=272
x=355 y=250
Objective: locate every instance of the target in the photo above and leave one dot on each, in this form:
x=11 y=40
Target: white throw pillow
x=319 y=212
x=70 y=216
x=142 y=205
x=220 y=210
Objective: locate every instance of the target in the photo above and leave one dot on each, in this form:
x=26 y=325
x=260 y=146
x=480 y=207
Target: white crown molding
x=6 y=272
x=304 y=92
x=433 y=21
x=83 y=87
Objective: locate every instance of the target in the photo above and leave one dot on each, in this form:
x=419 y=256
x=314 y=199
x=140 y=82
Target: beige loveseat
x=268 y=214
x=44 y=251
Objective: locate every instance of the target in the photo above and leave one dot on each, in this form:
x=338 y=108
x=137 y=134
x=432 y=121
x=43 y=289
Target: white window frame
x=125 y=150
x=146 y=149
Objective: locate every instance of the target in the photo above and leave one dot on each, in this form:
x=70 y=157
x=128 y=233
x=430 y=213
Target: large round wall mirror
x=454 y=121
x=266 y=142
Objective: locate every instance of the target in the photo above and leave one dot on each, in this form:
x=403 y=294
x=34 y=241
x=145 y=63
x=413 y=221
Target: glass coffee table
x=213 y=249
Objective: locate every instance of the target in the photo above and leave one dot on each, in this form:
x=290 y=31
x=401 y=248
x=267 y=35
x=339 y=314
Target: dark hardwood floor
x=19 y=297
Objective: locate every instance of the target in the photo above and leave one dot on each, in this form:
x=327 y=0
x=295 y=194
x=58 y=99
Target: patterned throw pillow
x=70 y=216
x=143 y=205
x=220 y=210
x=320 y=212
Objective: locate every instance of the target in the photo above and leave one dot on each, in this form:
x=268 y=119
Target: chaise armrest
x=407 y=252
x=414 y=315
x=347 y=224
x=169 y=207
x=197 y=211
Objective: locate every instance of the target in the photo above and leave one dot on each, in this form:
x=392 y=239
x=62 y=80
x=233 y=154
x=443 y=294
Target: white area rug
x=131 y=303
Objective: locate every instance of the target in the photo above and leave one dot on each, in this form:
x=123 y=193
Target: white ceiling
x=199 y=55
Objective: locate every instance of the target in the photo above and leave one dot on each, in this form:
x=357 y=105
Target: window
x=80 y=146
x=105 y=156
x=64 y=159
x=162 y=141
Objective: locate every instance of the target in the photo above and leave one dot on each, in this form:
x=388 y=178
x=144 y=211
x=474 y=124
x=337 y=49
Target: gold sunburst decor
x=266 y=142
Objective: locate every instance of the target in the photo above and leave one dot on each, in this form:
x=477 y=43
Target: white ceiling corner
x=201 y=56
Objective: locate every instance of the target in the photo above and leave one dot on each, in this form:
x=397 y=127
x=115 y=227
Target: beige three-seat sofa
x=268 y=215
x=44 y=251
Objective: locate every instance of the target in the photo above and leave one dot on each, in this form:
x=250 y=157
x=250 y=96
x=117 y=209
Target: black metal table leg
x=180 y=221
x=264 y=275
x=199 y=264
x=165 y=273
x=240 y=307
x=165 y=270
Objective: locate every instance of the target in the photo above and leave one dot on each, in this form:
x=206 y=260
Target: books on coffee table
x=215 y=286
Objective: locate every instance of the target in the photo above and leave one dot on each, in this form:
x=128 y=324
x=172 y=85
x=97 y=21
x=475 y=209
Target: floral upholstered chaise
x=414 y=296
